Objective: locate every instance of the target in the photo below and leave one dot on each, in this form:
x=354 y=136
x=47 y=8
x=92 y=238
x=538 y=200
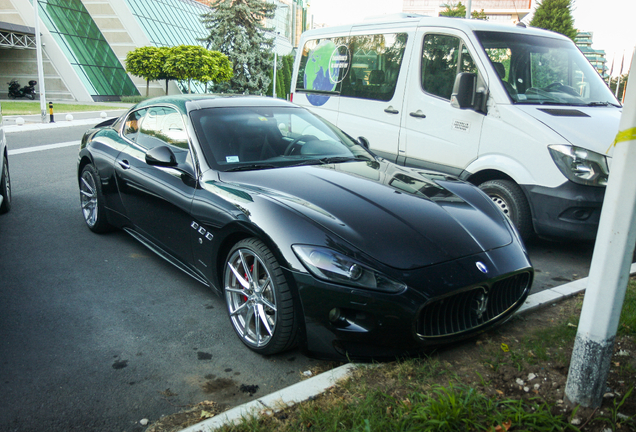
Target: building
x=511 y=11
x=85 y=42
x=596 y=57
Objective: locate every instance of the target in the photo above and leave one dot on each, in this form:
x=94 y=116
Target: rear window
x=365 y=66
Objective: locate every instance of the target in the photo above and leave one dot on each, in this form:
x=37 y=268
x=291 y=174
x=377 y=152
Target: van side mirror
x=364 y=142
x=464 y=90
x=466 y=95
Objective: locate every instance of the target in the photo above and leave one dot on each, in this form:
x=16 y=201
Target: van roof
x=416 y=20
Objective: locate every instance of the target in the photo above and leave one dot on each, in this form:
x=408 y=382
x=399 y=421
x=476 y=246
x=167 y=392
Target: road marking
x=44 y=147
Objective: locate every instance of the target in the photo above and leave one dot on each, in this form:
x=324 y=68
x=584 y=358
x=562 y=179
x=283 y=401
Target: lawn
x=26 y=108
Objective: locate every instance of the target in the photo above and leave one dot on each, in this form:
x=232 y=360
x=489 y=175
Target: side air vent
x=563 y=112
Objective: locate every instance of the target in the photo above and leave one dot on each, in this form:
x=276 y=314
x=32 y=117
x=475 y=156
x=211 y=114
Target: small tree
x=163 y=54
x=555 y=15
x=236 y=31
x=459 y=11
x=144 y=62
x=219 y=69
x=188 y=62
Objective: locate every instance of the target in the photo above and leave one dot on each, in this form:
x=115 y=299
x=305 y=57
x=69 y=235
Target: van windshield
x=543 y=70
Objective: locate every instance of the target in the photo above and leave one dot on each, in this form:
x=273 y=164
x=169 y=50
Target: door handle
x=418 y=114
x=124 y=164
x=391 y=110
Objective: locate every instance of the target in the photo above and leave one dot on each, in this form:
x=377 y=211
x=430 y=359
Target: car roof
x=192 y=102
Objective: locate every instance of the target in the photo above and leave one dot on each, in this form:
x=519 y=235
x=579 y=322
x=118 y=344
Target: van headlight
x=580 y=165
x=331 y=266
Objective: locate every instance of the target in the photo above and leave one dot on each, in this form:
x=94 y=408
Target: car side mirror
x=364 y=142
x=161 y=156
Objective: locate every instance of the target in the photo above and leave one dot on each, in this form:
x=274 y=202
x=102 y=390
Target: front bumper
x=568 y=211
x=442 y=304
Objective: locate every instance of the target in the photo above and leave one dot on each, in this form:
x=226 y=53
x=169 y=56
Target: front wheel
x=5 y=186
x=92 y=200
x=510 y=199
x=258 y=299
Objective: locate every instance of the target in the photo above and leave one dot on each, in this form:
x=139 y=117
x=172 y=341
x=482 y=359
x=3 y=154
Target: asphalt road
x=98 y=333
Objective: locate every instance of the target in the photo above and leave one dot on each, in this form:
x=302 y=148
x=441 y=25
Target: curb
x=85 y=118
x=317 y=385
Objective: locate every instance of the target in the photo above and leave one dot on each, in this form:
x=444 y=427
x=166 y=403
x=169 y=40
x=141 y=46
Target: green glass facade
x=86 y=49
x=170 y=22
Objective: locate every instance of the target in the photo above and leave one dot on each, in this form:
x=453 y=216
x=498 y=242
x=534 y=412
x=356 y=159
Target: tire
x=258 y=299
x=5 y=186
x=30 y=96
x=92 y=200
x=510 y=199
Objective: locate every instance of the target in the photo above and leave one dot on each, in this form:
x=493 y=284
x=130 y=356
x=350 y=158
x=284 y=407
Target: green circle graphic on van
x=326 y=67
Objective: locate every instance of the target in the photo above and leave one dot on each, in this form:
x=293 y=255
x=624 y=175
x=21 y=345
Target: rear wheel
x=92 y=200
x=5 y=186
x=259 y=301
x=510 y=199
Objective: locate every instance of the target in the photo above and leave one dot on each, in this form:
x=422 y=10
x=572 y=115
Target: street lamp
x=283 y=6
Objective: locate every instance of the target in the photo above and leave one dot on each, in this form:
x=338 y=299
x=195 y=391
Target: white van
x=518 y=111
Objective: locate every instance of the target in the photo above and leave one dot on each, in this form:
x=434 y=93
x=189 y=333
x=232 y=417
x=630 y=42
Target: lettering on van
x=338 y=64
x=461 y=125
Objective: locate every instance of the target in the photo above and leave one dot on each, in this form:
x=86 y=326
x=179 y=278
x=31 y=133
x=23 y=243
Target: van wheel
x=509 y=197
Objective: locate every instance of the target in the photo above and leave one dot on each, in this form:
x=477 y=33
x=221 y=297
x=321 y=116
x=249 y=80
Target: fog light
x=334 y=315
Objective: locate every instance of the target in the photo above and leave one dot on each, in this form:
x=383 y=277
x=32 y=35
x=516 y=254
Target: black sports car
x=309 y=237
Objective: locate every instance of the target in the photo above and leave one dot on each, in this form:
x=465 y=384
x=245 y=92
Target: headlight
x=329 y=265
x=579 y=165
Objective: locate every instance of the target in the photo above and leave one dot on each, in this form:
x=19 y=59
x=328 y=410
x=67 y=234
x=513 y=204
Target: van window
x=365 y=67
x=443 y=57
x=375 y=66
x=543 y=70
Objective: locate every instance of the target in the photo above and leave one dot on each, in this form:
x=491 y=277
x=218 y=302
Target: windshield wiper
x=602 y=104
x=332 y=159
x=252 y=167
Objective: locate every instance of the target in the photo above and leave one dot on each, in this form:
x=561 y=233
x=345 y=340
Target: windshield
x=246 y=138
x=543 y=70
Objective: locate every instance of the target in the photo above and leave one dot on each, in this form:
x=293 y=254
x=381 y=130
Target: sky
x=611 y=21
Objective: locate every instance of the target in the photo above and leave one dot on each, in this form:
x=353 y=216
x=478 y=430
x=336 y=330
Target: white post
x=609 y=272
x=275 y=61
x=38 y=49
x=468 y=8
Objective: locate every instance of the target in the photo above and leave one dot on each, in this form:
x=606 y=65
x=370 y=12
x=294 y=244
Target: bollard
x=51 y=112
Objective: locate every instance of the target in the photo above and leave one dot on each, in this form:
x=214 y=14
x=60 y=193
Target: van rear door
x=436 y=135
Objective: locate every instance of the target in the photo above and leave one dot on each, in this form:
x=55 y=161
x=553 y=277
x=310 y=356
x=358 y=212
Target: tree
x=459 y=11
x=555 y=15
x=163 y=53
x=188 y=62
x=219 y=69
x=145 y=62
x=621 y=85
x=283 y=76
x=236 y=31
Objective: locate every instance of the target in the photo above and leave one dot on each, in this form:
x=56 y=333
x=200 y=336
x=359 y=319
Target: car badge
x=482 y=267
x=482 y=304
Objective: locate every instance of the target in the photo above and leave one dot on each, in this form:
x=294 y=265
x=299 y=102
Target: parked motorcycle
x=27 y=91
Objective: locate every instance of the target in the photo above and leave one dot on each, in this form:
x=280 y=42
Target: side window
x=375 y=66
x=443 y=57
x=365 y=67
x=133 y=123
x=164 y=126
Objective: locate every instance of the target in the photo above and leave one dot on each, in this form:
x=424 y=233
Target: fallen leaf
x=504 y=347
x=206 y=414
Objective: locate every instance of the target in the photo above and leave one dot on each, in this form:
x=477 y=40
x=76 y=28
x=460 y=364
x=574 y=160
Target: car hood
x=593 y=128
x=398 y=216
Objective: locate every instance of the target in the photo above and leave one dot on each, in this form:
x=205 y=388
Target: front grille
x=468 y=310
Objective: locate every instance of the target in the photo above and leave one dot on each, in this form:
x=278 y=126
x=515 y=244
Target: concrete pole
x=609 y=272
x=38 y=49
x=468 y=8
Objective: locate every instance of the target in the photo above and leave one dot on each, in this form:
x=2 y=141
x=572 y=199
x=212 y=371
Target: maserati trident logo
x=482 y=267
x=481 y=305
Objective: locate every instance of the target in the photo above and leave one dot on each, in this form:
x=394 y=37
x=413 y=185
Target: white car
x=5 y=182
